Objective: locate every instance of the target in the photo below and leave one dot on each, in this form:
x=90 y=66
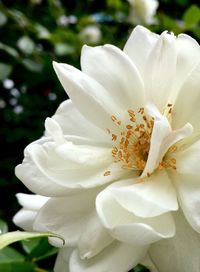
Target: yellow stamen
x=107 y=173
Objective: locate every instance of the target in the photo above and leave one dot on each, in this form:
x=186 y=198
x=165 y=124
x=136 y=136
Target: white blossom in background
x=120 y=160
x=91 y=34
x=142 y=11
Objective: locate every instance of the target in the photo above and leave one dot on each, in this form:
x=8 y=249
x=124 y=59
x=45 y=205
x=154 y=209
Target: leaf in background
x=63 y=49
x=42 y=32
x=3 y=19
x=42 y=251
x=14 y=236
x=10 y=50
x=18 y=16
x=8 y=255
x=192 y=16
x=18 y=267
x=32 y=65
x=5 y=70
x=26 y=45
x=140 y=268
x=3 y=227
x=29 y=245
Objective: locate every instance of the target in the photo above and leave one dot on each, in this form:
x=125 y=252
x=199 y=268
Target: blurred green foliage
x=33 y=34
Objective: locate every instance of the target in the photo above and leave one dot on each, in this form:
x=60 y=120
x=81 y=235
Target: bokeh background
x=33 y=34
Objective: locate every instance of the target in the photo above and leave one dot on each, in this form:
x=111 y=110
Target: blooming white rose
x=120 y=160
x=142 y=11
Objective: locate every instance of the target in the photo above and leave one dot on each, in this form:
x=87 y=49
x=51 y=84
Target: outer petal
x=160 y=70
x=90 y=97
x=31 y=202
x=118 y=257
x=54 y=169
x=25 y=219
x=127 y=227
x=94 y=237
x=180 y=253
x=139 y=45
x=188 y=189
x=147 y=262
x=115 y=71
x=66 y=216
x=73 y=122
x=188 y=56
x=148 y=197
x=187 y=100
x=31 y=205
x=62 y=260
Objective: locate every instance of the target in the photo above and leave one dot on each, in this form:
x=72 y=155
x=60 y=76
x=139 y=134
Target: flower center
x=133 y=142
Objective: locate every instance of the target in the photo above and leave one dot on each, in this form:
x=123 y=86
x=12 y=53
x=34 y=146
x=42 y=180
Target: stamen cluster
x=133 y=142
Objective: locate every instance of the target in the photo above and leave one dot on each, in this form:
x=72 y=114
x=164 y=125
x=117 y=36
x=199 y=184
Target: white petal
x=62 y=260
x=90 y=97
x=31 y=202
x=160 y=71
x=180 y=253
x=139 y=45
x=147 y=262
x=73 y=122
x=66 y=216
x=151 y=196
x=94 y=237
x=115 y=71
x=54 y=129
x=187 y=160
x=188 y=190
x=53 y=170
x=187 y=107
x=188 y=56
x=128 y=228
x=162 y=139
x=117 y=257
x=25 y=219
x=35 y=180
x=161 y=130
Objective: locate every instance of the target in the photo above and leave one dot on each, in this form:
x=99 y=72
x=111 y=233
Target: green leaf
x=8 y=255
x=140 y=268
x=42 y=32
x=62 y=49
x=32 y=65
x=3 y=18
x=29 y=245
x=17 y=267
x=10 y=50
x=3 y=227
x=14 y=236
x=192 y=16
x=42 y=251
x=5 y=70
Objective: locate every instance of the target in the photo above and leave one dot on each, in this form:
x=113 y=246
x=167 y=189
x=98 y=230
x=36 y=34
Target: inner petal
x=161 y=140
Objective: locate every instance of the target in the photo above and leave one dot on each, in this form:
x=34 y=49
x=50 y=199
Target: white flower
x=31 y=204
x=91 y=34
x=120 y=160
x=142 y=11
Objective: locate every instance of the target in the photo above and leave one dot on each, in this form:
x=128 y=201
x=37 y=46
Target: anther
x=107 y=173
